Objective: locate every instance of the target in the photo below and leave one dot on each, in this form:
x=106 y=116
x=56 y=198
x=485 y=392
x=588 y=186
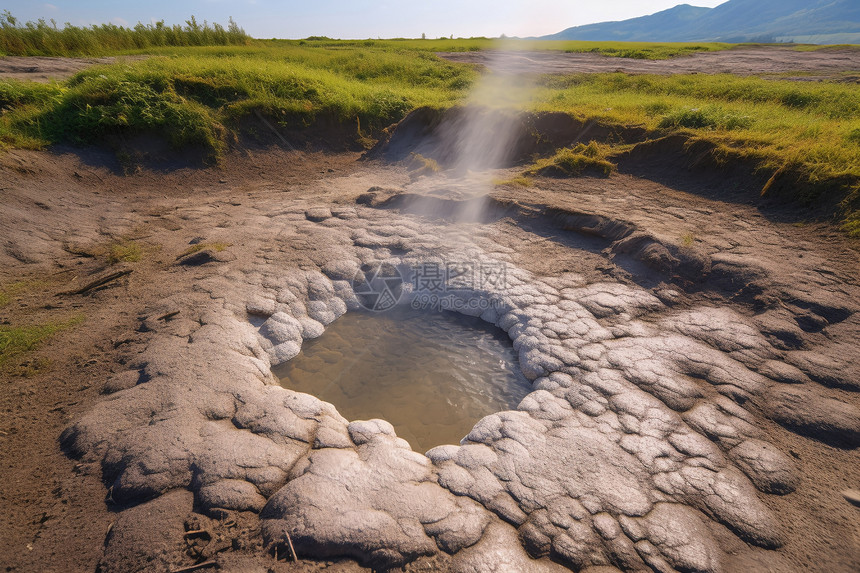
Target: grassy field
x=42 y=38
x=637 y=50
x=194 y=95
x=199 y=95
x=810 y=129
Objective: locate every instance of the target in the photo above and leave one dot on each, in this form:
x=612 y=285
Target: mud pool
x=431 y=374
x=664 y=428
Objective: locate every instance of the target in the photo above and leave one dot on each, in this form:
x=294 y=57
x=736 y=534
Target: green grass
x=18 y=340
x=806 y=129
x=9 y=292
x=518 y=181
x=125 y=251
x=194 y=96
x=688 y=240
x=217 y=247
x=201 y=96
x=637 y=50
x=575 y=161
x=707 y=117
x=42 y=38
x=420 y=165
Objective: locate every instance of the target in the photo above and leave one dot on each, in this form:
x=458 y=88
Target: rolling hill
x=815 y=21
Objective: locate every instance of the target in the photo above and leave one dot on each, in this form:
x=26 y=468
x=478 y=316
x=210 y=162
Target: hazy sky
x=354 y=18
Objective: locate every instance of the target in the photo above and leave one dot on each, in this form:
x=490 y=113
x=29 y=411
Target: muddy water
x=431 y=374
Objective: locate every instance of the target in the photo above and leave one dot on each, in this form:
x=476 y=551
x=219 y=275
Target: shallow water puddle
x=432 y=375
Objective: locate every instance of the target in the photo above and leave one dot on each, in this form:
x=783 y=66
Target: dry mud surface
x=694 y=363
x=46 y=69
x=739 y=61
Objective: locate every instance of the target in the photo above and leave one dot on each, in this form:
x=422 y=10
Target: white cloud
x=50 y=7
x=119 y=21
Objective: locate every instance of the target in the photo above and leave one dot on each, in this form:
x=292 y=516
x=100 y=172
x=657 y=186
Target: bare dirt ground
x=46 y=69
x=752 y=61
x=54 y=517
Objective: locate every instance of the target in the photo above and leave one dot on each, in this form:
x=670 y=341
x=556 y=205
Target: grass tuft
x=124 y=252
x=217 y=247
x=575 y=161
x=17 y=340
x=420 y=165
x=11 y=291
x=688 y=240
x=520 y=181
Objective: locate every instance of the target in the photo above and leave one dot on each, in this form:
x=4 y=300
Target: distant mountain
x=671 y=23
x=811 y=21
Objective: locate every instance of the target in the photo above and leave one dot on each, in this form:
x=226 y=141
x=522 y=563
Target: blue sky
x=354 y=18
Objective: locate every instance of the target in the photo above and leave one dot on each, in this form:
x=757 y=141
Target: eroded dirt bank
x=695 y=365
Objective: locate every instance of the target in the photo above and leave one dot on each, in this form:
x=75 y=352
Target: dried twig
x=168 y=316
x=195 y=567
x=97 y=283
x=292 y=549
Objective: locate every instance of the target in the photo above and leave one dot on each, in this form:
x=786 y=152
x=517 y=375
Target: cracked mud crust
x=694 y=403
